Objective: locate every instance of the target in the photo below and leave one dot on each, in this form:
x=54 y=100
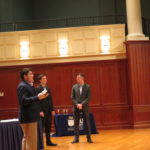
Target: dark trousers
x=77 y=115
x=46 y=125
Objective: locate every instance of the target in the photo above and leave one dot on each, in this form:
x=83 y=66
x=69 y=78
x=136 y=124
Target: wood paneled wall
x=120 y=88
x=81 y=41
x=138 y=55
x=108 y=80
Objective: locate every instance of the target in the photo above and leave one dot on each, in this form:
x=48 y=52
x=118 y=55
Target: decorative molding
x=65 y=59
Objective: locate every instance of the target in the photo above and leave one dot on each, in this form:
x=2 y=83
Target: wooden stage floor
x=127 y=139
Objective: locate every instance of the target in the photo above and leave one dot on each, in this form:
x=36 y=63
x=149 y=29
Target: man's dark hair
x=81 y=75
x=23 y=72
x=40 y=76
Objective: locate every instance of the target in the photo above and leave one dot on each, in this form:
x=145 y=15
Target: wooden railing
x=146 y=26
x=71 y=22
x=62 y=22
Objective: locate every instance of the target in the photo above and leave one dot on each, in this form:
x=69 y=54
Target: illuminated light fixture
x=105 y=44
x=24 y=49
x=63 y=47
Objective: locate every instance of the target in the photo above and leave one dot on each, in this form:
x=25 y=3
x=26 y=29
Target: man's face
x=79 y=79
x=29 y=77
x=43 y=80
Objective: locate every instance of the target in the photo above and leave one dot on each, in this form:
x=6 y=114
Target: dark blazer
x=83 y=98
x=47 y=103
x=28 y=102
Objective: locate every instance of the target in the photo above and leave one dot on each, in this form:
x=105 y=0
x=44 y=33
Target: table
x=11 y=136
x=64 y=125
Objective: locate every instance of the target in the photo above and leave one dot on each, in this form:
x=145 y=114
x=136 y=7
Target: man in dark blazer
x=29 y=110
x=47 y=109
x=80 y=96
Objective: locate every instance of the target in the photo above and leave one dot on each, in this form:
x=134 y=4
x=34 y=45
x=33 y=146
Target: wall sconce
x=1 y=94
x=63 y=47
x=24 y=49
x=105 y=44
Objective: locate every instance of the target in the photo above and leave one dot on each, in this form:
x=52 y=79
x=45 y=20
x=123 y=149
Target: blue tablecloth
x=64 y=125
x=11 y=136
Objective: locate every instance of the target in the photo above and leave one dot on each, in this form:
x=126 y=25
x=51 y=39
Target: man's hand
x=79 y=106
x=42 y=96
x=53 y=113
x=42 y=114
